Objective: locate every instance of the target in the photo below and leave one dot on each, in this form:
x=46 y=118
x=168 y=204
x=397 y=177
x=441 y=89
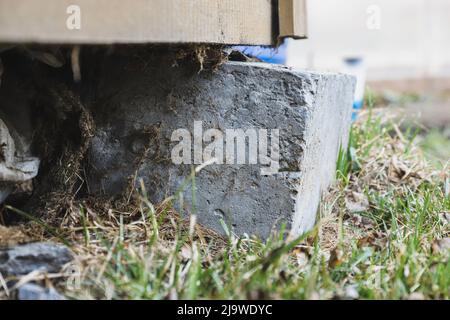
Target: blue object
x=357 y=106
x=266 y=54
x=356 y=67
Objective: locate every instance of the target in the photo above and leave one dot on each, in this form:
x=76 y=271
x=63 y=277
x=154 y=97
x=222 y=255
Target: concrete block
x=39 y=256
x=142 y=112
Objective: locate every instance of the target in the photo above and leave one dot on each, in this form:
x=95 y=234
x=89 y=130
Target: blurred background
x=398 y=49
x=399 y=39
x=395 y=48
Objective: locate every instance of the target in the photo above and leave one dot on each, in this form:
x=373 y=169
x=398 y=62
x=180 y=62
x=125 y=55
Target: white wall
x=413 y=40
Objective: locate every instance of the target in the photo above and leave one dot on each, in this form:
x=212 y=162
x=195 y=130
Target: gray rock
x=23 y=259
x=139 y=108
x=31 y=291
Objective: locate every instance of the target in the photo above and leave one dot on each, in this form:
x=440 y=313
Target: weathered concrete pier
x=158 y=122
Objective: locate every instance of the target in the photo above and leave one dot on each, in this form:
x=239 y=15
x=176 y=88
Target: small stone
x=31 y=291
x=314 y=296
x=23 y=259
x=351 y=293
x=416 y=296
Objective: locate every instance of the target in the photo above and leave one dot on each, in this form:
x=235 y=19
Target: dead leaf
x=444 y=217
x=302 y=259
x=186 y=253
x=358 y=202
x=335 y=258
x=12 y=236
x=361 y=222
x=376 y=240
x=398 y=170
x=441 y=245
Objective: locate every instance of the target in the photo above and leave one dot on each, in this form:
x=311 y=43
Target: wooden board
x=139 y=21
x=146 y=21
x=292 y=17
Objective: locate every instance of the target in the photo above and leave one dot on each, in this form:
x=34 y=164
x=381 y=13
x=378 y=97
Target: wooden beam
x=293 y=19
x=138 y=21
